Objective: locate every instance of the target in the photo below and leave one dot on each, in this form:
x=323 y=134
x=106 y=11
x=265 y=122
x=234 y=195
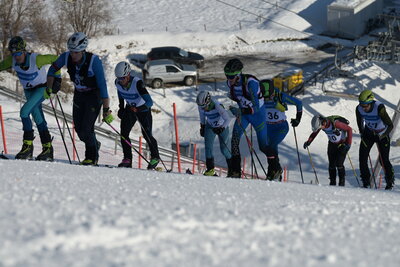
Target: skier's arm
x=144 y=93
x=100 y=78
x=224 y=114
x=253 y=87
x=313 y=135
x=202 y=116
x=343 y=126
x=55 y=68
x=6 y=63
x=360 y=121
x=42 y=60
x=386 y=119
x=294 y=101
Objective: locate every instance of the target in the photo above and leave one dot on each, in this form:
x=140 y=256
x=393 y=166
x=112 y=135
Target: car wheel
x=189 y=80
x=157 y=83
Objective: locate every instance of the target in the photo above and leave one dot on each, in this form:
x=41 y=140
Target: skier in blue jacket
x=276 y=105
x=86 y=72
x=245 y=91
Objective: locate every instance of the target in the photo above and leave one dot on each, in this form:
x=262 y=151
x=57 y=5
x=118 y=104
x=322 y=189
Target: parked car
x=158 y=72
x=176 y=54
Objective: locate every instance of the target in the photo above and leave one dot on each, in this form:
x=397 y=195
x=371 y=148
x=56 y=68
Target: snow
x=55 y=214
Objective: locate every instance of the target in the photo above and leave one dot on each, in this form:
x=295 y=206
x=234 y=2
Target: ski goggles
x=231 y=76
x=17 y=54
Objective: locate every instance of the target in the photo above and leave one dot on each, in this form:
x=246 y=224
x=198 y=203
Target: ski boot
x=88 y=162
x=209 y=172
x=47 y=152
x=153 y=163
x=125 y=163
x=273 y=175
x=332 y=181
x=26 y=150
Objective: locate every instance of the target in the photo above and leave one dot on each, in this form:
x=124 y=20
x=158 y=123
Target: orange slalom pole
x=3 y=133
x=140 y=151
x=194 y=158
x=284 y=174
x=178 y=151
x=380 y=181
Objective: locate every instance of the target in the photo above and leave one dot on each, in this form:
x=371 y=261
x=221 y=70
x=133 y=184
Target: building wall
x=349 y=21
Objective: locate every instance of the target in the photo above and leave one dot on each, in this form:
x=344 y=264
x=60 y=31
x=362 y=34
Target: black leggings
x=367 y=141
x=145 y=118
x=86 y=108
x=336 y=160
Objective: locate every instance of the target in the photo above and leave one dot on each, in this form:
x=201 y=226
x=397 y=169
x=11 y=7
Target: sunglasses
x=17 y=54
x=364 y=105
x=121 y=78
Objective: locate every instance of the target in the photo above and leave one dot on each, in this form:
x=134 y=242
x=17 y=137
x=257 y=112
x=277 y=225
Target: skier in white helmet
x=86 y=72
x=134 y=105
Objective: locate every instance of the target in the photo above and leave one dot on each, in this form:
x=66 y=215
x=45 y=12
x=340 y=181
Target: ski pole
x=312 y=165
x=298 y=155
x=251 y=155
x=355 y=174
x=150 y=143
x=59 y=128
x=69 y=131
x=251 y=147
x=126 y=141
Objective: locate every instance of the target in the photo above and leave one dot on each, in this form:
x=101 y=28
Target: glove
x=247 y=111
x=56 y=85
x=202 y=129
x=218 y=130
x=306 y=144
x=107 y=117
x=139 y=109
x=47 y=93
x=294 y=122
x=343 y=148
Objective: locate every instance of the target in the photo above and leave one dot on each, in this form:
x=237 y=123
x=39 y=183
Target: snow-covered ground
x=53 y=214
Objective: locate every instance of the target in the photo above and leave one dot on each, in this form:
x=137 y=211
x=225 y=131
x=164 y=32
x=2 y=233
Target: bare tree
x=89 y=16
x=50 y=32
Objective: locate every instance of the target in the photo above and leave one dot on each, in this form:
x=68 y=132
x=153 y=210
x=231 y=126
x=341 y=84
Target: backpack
x=333 y=118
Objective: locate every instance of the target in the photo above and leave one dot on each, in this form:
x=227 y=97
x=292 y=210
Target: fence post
x=3 y=130
x=178 y=151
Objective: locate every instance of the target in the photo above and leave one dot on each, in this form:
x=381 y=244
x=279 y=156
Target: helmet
x=203 y=99
x=77 y=42
x=16 y=44
x=122 y=69
x=316 y=122
x=366 y=97
x=233 y=67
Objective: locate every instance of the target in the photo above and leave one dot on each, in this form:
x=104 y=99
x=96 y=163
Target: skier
x=245 y=90
x=138 y=108
x=214 y=120
x=32 y=75
x=86 y=72
x=339 y=135
x=375 y=126
x=276 y=104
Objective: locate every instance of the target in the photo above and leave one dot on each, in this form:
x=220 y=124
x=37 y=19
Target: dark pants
x=336 y=159
x=367 y=141
x=86 y=108
x=128 y=120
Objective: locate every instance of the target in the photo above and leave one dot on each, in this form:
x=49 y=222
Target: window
x=183 y=53
x=172 y=69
